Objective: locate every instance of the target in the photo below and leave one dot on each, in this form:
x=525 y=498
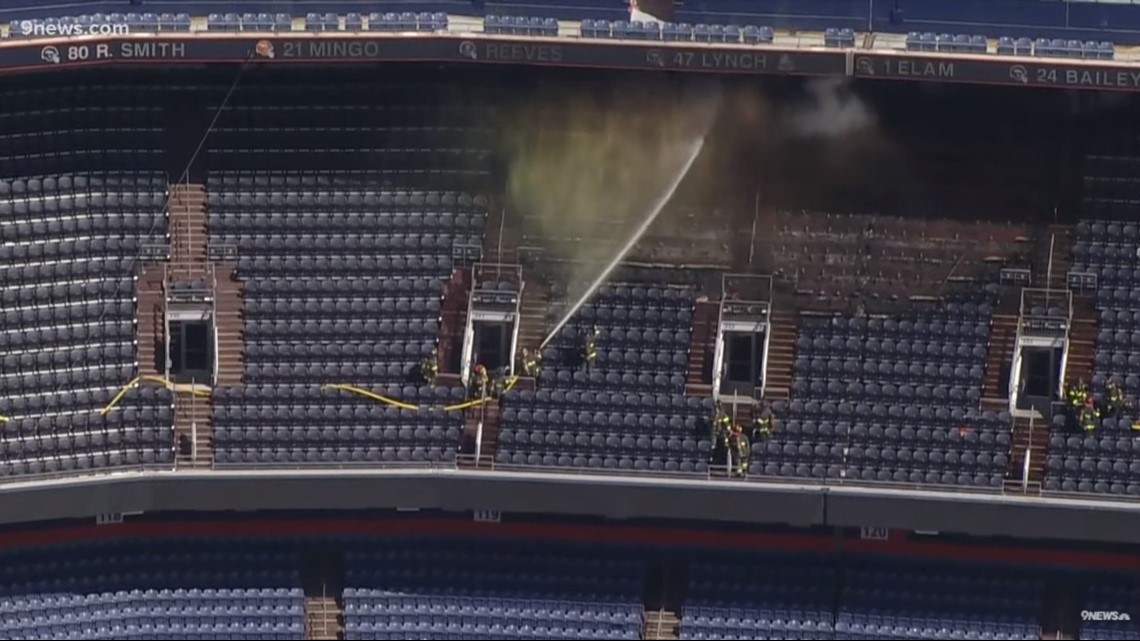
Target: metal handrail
x=1025 y=465
x=492 y=466
x=1049 y=265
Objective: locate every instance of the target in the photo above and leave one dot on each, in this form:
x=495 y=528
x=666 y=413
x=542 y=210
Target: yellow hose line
x=170 y=385
x=118 y=397
x=372 y=395
x=464 y=405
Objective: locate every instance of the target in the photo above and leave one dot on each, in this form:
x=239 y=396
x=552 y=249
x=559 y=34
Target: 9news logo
x=1104 y=615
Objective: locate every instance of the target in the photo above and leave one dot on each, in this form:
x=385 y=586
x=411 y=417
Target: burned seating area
x=324 y=244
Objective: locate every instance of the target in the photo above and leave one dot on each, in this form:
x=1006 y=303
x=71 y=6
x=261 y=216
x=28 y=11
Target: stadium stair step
x=1052 y=257
x=323 y=577
x=453 y=320
x=490 y=414
x=702 y=347
x=664 y=591
x=188 y=233
x=193 y=428
x=1060 y=609
x=999 y=357
x=150 y=301
x=1082 y=345
x=322 y=618
x=660 y=624
x=781 y=355
x=228 y=324
x=532 y=314
x=1030 y=435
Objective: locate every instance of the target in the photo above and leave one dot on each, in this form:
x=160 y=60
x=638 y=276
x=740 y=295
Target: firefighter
x=590 y=348
x=1114 y=401
x=498 y=384
x=1089 y=416
x=429 y=366
x=480 y=382
x=1075 y=395
x=762 y=425
x=721 y=426
x=1135 y=427
x=531 y=363
x=741 y=449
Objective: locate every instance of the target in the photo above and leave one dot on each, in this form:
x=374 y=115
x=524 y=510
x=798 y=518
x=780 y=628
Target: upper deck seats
x=430 y=135
x=629 y=410
x=1106 y=460
x=890 y=399
x=343 y=284
x=68 y=250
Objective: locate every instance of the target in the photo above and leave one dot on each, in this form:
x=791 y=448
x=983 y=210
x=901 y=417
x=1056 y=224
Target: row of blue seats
x=676 y=32
x=945 y=42
x=520 y=26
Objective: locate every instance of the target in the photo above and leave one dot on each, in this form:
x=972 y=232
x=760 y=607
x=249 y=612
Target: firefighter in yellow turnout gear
x=721 y=425
x=480 y=382
x=429 y=366
x=590 y=348
x=763 y=423
x=531 y=363
x=741 y=450
x=1114 y=402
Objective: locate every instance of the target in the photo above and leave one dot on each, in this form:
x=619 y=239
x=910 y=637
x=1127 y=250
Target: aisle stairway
x=322 y=575
x=453 y=320
x=999 y=357
x=188 y=233
x=702 y=348
x=193 y=427
x=150 y=321
x=1031 y=435
x=781 y=355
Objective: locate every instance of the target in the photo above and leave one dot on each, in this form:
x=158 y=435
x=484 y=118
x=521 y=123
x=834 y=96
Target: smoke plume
x=831 y=110
x=585 y=165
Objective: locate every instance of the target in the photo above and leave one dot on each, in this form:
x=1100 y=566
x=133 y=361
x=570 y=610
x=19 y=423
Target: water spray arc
x=667 y=195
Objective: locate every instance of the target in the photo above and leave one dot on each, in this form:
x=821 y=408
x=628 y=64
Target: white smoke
x=831 y=111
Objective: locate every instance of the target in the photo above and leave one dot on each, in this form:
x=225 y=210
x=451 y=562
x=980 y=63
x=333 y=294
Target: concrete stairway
x=702 y=348
x=188 y=237
x=491 y=415
x=999 y=357
x=228 y=324
x=453 y=319
x=1034 y=437
x=532 y=314
x=781 y=355
x=663 y=593
x=322 y=618
x=193 y=428
x=660 y=624
x=1082 y=343
x=1060 y=609
x=322 y=576
x=1052 y=257
x=149 y=321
